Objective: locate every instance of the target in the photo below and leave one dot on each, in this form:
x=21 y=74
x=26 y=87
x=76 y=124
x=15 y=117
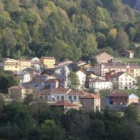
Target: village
x=48 y=80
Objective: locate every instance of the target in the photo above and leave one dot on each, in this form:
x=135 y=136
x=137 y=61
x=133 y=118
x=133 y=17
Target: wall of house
x=60 y=97
x=100 y=85
x=87 y=103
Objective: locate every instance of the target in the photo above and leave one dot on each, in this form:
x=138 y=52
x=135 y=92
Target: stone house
x=91 y=101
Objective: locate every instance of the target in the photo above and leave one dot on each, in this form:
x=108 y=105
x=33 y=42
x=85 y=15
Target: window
x=70 y=97
x=62 y=97
x=74 y=97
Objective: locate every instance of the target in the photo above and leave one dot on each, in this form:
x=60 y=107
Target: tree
x=7 y=80
x=73 y=80
x=121 y=41
x=51 y=131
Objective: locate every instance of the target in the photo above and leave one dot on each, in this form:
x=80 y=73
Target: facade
x=52 y=83
x=91 y=101
x=24 y=64
x=16 y=65
x=82 y=78
x=60 y=94
x=36 y=85
x=48 y=62
x=123 y=80
x=18 y=92
x=11 y=65
x=127 y=54
x=62 y=74
x=36 y=64
x=132 y=69
x=122 y=99
x=103 y=57
x=23 y=77
x=99 y=84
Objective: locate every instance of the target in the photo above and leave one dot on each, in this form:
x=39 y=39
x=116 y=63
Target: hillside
x=66 y=28
x=135 y=4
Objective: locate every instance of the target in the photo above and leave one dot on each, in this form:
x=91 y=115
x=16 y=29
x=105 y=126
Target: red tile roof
x=91 y=96
x=118 y=95
x=96 y=80
x=61 y=90
x=64 y=103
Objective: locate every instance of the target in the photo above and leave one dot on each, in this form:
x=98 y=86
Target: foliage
x=65 y=29
x=39 y=121
x=73 y=80
x=7 y=80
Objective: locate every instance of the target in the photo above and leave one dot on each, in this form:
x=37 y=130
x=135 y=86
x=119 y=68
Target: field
x=129 y=60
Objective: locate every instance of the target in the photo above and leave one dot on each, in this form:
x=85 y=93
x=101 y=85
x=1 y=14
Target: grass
x=129 y=60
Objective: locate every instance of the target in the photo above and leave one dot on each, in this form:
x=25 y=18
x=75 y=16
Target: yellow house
x=49 y=62
x=24 y=63
x=18 y=92
x=11 y=64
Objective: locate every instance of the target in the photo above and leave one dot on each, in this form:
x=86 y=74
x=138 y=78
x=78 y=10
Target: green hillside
x=71 y=29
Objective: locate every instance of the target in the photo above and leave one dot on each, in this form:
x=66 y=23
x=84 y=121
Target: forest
x=38 y=121
x=66 y=29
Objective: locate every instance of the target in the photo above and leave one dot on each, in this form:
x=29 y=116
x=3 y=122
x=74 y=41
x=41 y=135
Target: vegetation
x=38 y=121
x=7 y=80
x=73 y=80
x=66 y=29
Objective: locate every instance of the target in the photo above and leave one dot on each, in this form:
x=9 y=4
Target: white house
x=62 y=74
x=82 y=78
x=37 y=64
x=123 y=80
x=35 y=60
x=52 y=83
x=100 y=84
x=36 y=85
x=60 y=94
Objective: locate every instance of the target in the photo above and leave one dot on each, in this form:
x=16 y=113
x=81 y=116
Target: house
x=52 y=83
x=48 y=62
x=99 y=84
x=65 y=105
x=36 y=85
x=103 y=58
x=127 y=54
x=123 y=80
x=109 y=75
x=82 y=78
x=24 y=63
x=122 y=99
x=44 y=77
x=91 y=101
x=62 y=64
x=11 y=65
x=22 y=76
x=130 y=68
x=77 y=65
x=60 y=94
x=36 y=64
x=31 y=71
x=62 y=74
x=18 y=92
x=35 y=60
